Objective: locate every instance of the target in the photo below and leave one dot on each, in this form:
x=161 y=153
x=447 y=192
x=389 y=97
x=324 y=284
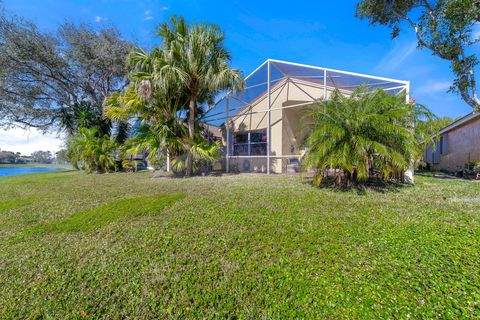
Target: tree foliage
x=439 y=123
x=443 y=26
x=366 y=135
x=9 y=157
x=61 y=157
x=52 y=79
x=195 y=62
x=168 y=88
x=41 y=156
x=92 y=151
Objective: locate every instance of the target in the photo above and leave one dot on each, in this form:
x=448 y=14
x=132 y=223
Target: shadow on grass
x=98 y=217
x=378 y=186
x=444 y=176
x=181 y=175
x=434 y=174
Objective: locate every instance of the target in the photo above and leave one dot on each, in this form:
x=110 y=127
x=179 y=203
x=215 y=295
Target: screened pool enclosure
x=263 y=127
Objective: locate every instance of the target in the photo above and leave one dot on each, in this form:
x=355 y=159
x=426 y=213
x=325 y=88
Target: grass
x=98 y=217
x=245 y=246
x=14 y=203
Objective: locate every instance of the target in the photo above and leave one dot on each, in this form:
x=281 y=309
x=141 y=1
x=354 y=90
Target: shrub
x=91 y=151
x=157 y=162
x=365 y=135
x=130 y=165
x=472 y=165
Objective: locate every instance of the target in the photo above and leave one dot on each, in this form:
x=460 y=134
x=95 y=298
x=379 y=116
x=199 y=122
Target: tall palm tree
x=362 y=134
x=169 y=84
x=194 y=61
x=159 y=126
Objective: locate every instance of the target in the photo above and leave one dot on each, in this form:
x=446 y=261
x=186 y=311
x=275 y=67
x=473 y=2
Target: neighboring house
x=212 y=133
x=456 y=145
x=265 y=126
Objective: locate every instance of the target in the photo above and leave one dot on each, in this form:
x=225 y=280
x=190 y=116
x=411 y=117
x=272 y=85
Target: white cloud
x=395 y=58
x=148 y=15
x=99 y=19
x=476 y=31
x=433 y=87
x=28 y=141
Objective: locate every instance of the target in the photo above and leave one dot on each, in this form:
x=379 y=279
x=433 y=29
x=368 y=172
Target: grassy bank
x=247 y=246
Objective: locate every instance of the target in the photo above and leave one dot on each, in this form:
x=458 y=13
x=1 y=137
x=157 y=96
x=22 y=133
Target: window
x=252 y=143
x=444 y=145
x=436 y=152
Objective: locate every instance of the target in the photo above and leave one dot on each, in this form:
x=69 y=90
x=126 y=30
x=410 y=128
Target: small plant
x=157 y=162
x=203 y=153
x=130 y=165
x=476 y=168
x=472 y=165
x=424 y=166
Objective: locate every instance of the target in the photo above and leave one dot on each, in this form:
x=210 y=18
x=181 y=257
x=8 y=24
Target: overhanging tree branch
x=444 y=27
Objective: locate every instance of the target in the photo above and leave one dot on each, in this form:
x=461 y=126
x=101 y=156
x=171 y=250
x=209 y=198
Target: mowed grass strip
x=14 y=203
x=98 y=217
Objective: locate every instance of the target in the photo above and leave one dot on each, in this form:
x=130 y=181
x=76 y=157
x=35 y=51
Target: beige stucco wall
x=463 y=146
x=294 y=130
x=286 y=124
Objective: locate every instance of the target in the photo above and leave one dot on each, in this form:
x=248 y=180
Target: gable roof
x=459 y=122
x=272 y=72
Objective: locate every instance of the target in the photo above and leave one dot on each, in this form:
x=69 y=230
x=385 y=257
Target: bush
x=363 y=136
x=158 y=162
x=422 y=165
x=91 y=151
x=472 y=165
x=130 y=165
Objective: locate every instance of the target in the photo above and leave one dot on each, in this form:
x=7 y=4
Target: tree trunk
x=191 y=131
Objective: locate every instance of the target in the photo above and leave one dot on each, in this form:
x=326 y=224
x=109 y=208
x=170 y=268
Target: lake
x=15 y=171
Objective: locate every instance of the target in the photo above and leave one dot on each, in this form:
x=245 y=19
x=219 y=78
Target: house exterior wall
x=294 y=130
x=285 y=124
x=462 y=144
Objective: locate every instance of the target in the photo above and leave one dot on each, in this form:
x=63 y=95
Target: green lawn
x=248 y=246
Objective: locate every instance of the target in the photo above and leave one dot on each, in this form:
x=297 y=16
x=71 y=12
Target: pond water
x=15 y=171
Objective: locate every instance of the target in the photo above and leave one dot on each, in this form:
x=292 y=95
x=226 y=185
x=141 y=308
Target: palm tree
x=194 y=61
x=83 y=114
x=92 y=150
x=169 y=85
x=363 y=135
x=158 y=127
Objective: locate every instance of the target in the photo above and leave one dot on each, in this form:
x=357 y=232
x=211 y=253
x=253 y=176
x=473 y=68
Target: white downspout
x=409 y=174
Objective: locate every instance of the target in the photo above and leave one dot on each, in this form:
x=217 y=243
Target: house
x=264 y=126
x=212 y=133
x=457 y=144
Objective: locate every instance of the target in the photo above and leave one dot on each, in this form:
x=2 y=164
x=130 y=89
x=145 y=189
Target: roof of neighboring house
x=215 y=131
x=459 y=122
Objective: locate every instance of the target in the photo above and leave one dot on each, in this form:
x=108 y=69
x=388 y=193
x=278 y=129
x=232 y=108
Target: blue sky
x=323 y=33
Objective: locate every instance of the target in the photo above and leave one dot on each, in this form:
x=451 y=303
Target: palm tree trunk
x=191 y=132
